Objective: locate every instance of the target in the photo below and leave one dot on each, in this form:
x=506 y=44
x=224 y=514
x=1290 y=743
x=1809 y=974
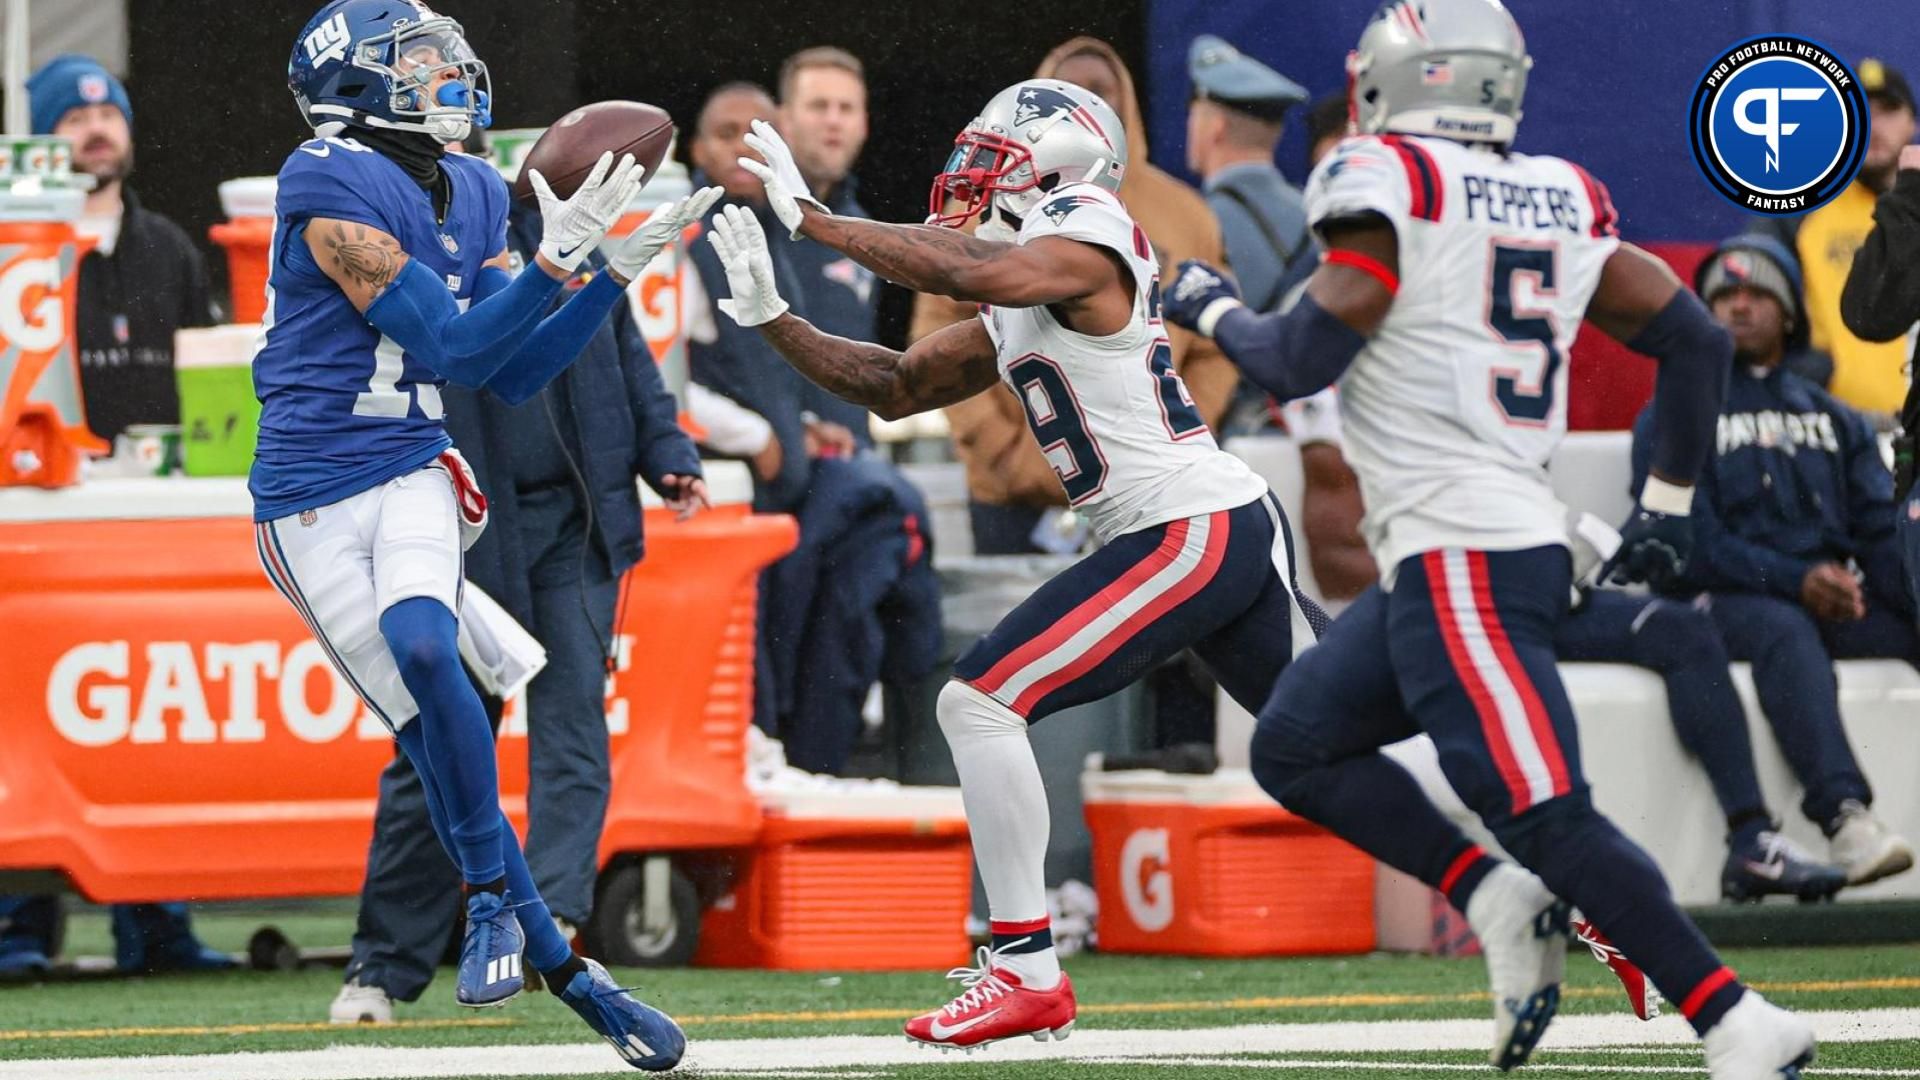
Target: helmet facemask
x=414 y=60
x=984 y=168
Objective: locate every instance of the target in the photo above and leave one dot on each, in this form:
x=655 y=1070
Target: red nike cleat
x=994 y=1007
x=1641 y=994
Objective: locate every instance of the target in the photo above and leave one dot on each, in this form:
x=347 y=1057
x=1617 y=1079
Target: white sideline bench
x=1641 y=776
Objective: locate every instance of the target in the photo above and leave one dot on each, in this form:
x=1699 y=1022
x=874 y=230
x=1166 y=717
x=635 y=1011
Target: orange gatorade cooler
x=849 y=875
x=43 y=430
x=1210 y=866
x=247 y=234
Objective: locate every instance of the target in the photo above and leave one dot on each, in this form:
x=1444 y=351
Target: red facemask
x=980 y=166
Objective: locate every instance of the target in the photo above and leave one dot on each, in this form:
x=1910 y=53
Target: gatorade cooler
x=219 y=415
x=1210 y=866
x=859 y=876
x=247 y=234
x=43 y=429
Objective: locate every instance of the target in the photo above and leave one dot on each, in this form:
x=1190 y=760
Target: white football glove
x=662 y=228
x=742 y=247
x=573 y=227
x=786 y=188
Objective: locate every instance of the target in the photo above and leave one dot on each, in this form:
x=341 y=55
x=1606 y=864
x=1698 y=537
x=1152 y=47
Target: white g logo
x=1149 y=901
x=1770 y=128
x=38 y=330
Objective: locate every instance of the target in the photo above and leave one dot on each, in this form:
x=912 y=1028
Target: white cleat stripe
x=637 y=1044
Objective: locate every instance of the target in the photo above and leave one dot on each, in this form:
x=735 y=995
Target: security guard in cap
x=1233 y=125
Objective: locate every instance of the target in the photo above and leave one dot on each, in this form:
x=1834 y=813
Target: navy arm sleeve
x=1881 y=298
x=467 y=347
x=1696 y=357
x=1291 y=355
x=557 y=341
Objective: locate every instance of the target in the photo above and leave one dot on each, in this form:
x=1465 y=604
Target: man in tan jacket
x=1010 y=486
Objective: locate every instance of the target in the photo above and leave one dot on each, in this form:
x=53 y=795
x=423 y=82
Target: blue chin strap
x=455 y=95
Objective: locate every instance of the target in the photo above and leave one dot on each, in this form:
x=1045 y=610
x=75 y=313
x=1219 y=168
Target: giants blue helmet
x=391 y=64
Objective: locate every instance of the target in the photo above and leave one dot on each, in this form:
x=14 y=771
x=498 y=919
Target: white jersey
x=1455 y=404
x=1111 y=415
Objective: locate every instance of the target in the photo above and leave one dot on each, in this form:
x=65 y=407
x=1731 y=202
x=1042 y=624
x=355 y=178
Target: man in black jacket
x=144 y=278
x=1881 y=302
x=559 y=473
x=1794 y=547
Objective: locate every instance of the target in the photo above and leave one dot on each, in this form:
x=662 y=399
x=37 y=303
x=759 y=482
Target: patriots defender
x=388 y=279
x=1196 y=551
x=1456 y=277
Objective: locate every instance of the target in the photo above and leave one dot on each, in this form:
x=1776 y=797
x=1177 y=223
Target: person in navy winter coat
x=1794 y=547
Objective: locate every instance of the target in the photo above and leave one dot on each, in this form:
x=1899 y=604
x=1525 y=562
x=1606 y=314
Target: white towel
x=500 y=652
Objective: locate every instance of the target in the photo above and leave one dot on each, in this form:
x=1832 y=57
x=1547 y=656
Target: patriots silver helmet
x=1032 y=137
x=1452 y=68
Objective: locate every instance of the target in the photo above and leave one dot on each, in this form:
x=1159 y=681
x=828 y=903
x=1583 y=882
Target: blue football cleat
x=646 y=1037
x=1770 y=863
x=490 y=955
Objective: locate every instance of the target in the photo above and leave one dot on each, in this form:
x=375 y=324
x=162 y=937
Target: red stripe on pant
x=1491 y=729
x=1696 y=999
x=1086 y=611
x=1538 y=721
x=1460 y=866
x=1175 y=595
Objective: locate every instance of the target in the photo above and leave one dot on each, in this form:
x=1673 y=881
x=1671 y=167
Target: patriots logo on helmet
x=1058 y=209
x=1039 y=103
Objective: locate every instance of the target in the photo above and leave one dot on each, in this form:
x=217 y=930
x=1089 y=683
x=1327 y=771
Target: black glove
x=1654 y=548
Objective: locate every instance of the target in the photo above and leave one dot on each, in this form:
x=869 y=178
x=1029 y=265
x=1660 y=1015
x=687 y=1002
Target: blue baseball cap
x=70 y=82
x=1224 y=74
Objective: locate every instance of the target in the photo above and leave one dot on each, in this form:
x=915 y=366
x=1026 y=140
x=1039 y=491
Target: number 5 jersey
x=343 y=408
x=1110 y=413
x=1455 y=404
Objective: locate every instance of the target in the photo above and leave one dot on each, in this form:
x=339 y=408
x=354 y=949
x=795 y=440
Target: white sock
x=1007 y=815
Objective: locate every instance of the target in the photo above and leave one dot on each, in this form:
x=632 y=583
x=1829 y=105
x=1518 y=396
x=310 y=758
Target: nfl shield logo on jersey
x=448 y=242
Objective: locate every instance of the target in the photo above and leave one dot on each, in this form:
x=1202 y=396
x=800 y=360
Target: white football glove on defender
x=664 y=227
x=742 y=247
x=786 y=188
x=573 y=227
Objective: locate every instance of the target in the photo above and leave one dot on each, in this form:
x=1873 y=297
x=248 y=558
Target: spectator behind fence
x=1015 y=501
x=1881 y=302
x=558 y=471
x=1234 y=122
x=856 y=601
x=1794 y=548
x=1870 y=375
x=142 y=281
x=823 y=114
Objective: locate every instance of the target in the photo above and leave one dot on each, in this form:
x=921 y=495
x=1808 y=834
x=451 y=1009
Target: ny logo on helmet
x=329 y=40
x=1040 y=103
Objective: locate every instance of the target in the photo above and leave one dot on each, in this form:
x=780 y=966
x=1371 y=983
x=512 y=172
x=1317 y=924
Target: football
x=566 y=153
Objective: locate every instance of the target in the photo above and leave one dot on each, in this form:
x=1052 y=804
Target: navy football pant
x=1463 y=649
x=1222 y=583
x=1792 y=655
x=1679 y=642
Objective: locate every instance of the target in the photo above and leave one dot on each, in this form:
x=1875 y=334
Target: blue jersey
x=343 y=408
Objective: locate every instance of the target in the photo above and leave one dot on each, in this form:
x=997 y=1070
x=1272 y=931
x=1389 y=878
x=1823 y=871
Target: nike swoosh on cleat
x=1772 y=871
x=941 y=1031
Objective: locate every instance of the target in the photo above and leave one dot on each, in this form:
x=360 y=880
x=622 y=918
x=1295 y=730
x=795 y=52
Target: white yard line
x=764 y=1056
x=1317 y=1064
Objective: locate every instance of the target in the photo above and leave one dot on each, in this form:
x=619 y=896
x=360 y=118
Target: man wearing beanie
x=1794 y=545
x=144 y=279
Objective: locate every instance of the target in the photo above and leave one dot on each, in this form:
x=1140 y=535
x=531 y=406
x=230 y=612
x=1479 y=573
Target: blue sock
x=546 y=946
x=1586 y=860
x=454 y=738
